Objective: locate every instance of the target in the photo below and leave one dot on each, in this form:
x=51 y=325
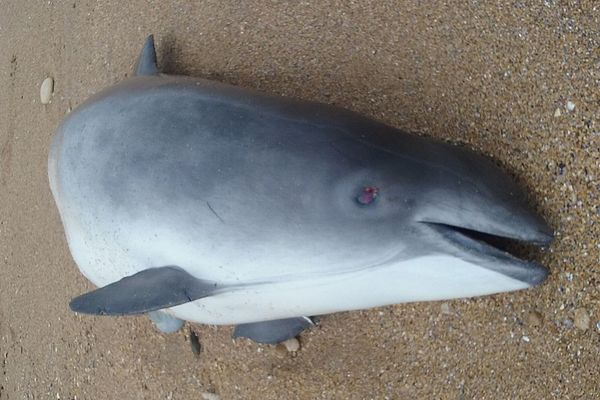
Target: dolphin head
x=449 y=201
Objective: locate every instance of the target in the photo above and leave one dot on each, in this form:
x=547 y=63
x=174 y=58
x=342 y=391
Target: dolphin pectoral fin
x=164 y=322
x=273 y=332
x=149 y=290
x=146 y=63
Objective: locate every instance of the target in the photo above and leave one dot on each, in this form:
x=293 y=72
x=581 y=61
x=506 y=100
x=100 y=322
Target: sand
x=496 y=77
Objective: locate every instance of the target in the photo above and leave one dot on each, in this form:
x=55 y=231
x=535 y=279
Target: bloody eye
x=367 y=195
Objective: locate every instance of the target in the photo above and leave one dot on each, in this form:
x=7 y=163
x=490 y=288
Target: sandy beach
x=518 y=81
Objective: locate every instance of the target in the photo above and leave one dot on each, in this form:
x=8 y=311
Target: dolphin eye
x=367 y=195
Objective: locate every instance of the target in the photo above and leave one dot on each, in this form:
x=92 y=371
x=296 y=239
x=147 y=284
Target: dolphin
x=188 y=199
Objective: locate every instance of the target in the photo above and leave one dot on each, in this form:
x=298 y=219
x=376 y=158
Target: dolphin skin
x=193 y=200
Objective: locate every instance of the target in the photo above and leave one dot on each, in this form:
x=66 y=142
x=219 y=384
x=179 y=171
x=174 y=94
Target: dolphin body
x=194 y=200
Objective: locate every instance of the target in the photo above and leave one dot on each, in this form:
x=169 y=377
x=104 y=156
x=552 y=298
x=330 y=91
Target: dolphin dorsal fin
x=146 y=63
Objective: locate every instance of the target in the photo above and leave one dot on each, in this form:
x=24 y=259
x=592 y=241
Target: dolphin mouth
x=503 y=254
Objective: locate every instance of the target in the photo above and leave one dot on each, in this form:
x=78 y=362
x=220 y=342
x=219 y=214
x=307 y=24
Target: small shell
x=210 y=396
x=195 y=343
x=46 y=90
x=446 y=309
x=582 y=319
x=291 y=345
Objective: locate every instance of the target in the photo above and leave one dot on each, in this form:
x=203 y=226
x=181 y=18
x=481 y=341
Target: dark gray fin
x=146 y=63
x=164 y=322
x=273 y=332
x=149 y=290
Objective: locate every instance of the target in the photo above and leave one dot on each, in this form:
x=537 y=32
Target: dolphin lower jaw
x=488 y=251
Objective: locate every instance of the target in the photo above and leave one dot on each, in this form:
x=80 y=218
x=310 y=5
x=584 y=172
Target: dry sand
x=497 y=77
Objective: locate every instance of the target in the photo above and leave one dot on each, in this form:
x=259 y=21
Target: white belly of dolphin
x=434 y=277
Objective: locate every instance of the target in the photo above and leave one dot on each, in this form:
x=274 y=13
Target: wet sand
x=497 y=78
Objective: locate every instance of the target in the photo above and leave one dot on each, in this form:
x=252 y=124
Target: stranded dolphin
x=195 y=200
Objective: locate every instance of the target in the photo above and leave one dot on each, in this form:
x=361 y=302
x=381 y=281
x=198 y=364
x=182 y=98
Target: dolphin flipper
x=149 y=290
x=273 y=332
x=146 y=63
x=164 y=322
